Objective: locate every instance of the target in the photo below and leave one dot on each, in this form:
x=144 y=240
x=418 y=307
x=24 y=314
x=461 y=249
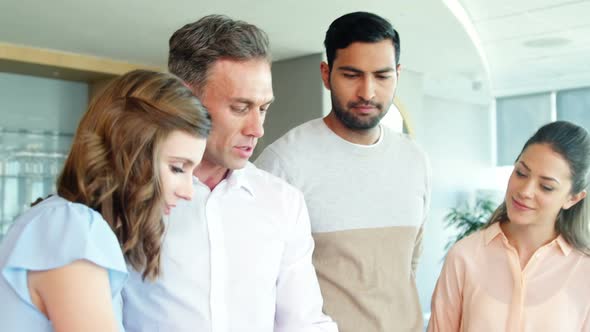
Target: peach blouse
x=483 y=288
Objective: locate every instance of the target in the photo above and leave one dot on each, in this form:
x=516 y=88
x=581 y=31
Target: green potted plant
x=468 y=218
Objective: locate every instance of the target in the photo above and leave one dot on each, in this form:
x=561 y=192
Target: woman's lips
x=520 y=206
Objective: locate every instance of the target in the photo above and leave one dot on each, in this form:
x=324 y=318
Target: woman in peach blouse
x=529 y=268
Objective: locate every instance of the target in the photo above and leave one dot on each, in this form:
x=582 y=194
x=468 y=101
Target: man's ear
x=325 y=71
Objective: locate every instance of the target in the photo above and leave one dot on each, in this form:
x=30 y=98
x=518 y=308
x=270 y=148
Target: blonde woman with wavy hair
x=527 y=270
x=64 y=262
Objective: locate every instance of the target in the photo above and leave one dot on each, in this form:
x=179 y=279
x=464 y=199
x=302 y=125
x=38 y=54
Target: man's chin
x=363 y=124
x=356 y=122
x=237 y=164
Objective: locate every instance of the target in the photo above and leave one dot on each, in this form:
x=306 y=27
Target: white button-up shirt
x=237 y=258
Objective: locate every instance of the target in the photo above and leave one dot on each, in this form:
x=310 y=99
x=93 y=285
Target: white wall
x=298 y=92
x=457 y=136
x=452 y=122
x=410 y=93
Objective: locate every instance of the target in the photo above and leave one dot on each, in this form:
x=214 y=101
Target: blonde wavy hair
x=112 y=166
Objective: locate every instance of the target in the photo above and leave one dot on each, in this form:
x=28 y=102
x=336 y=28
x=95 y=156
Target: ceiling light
x=546 y=42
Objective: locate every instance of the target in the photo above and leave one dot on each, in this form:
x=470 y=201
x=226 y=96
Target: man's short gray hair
x=195 y=47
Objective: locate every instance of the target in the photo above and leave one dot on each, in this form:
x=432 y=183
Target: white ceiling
x=433 y=40
x=505 y=27
x=138 y=30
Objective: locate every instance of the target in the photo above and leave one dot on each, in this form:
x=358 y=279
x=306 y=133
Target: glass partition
x=30 y=163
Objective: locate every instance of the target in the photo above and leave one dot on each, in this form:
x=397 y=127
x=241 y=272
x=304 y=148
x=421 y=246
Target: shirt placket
x=219 y=316
x=520 y=277
x=517 y=301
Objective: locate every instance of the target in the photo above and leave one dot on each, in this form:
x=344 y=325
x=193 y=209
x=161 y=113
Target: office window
x=38 y=119
x=29 y=165
x=517 y=118
x=574 y=106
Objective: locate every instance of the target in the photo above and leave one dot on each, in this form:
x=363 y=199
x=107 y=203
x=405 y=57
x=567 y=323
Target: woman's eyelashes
x=544 y=187
x=176 y=169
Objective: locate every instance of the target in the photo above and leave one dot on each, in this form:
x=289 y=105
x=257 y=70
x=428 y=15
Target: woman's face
x=180 y=154
x=539 y=187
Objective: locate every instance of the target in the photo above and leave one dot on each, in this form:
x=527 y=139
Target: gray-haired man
x=238 y=256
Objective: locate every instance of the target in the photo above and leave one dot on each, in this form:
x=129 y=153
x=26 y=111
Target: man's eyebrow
x=272 y=100
x=385 y=70
x=250 y=102
x=352 y=69
x=242 y=100
x=358 y=71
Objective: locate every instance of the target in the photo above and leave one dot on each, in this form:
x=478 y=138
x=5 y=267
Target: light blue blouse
x=52 y=234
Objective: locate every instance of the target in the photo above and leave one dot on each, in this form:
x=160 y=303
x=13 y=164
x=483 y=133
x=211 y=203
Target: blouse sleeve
x=447 y=300
x=58 y=236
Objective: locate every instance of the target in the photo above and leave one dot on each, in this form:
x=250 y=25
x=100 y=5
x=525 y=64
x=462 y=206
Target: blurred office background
x=478 y=78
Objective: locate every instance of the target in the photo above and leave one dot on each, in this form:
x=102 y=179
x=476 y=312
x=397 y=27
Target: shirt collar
x=239 y=178
x=565 y=247
x=494 y=230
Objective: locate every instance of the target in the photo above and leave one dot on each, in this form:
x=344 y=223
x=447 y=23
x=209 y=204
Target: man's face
x=362 y=83
x=237 y=95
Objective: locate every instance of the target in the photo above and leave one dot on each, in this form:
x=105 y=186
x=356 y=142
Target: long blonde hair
x=112 y=166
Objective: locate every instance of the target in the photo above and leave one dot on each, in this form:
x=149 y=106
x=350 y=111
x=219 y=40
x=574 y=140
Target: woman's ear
x=574 y=199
